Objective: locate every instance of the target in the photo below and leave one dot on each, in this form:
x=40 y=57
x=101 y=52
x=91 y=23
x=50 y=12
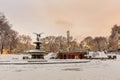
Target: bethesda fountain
x=37 y=53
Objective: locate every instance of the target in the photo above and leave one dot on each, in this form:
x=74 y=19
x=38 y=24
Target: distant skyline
x=54 y=17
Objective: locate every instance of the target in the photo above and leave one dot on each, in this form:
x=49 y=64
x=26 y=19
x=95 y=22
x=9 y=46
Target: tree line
x=100 y=43
x=12 y=42
x=111 y=43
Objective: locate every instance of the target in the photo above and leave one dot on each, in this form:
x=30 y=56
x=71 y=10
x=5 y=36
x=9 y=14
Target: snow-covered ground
x=94 y=70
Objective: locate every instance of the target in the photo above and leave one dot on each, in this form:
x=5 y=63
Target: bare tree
x=114 y=38
x=100 y=43
x=87 y=43
x=96 y=44
x=24 y=43
x=5 y=32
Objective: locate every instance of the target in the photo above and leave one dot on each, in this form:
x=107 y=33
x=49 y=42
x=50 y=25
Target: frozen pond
x=94 y=70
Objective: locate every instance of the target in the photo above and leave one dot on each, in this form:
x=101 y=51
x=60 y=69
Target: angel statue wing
x=38 y=35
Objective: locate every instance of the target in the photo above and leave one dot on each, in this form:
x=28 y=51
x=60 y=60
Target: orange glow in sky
x=54 y=17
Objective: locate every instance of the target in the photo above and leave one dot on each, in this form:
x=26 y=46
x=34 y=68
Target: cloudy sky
x=54 y=17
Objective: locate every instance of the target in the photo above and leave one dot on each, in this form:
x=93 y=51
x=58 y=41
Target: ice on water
x=94 y=70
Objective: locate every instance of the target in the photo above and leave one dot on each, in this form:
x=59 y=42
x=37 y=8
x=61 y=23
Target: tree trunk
x=2 y=49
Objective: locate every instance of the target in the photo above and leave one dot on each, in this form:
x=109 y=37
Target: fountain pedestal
x=37 y=53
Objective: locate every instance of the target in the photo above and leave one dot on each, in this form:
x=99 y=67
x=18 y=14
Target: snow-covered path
x=94 y=70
